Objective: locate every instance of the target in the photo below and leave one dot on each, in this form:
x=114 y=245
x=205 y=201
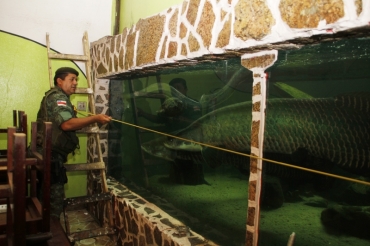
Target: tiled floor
x=81 y=220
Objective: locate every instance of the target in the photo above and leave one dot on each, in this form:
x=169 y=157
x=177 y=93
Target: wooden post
x=257 y=63
x=117 y=12
x=11 y=131
x=10 y=201
x=46 y=160
x=19 y=179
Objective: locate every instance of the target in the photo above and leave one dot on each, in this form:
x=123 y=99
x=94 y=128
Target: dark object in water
x=272 y=196
x=334 y=129
x=350 y=220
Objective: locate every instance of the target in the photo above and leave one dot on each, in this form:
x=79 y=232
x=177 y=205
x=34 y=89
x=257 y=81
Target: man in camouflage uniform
x=182 y=171
x=57 y=108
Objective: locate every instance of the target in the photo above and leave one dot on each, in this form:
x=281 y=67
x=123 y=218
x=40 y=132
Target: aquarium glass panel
x=203 y=187
x=186 y=148
x=317 y=118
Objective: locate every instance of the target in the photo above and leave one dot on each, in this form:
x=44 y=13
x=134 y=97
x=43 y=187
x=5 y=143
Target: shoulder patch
x=61 y=103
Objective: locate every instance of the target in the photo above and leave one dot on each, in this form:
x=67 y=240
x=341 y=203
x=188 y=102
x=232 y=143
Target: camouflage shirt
x=57 y=108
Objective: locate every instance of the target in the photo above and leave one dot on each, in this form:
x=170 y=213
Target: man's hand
x=74 y=124
x=103 y=119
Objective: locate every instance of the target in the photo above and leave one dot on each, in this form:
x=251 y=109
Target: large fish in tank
x=336 y=129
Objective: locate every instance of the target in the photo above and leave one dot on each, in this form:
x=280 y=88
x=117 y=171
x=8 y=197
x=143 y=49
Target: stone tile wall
x=140 y=222
x=200 y=30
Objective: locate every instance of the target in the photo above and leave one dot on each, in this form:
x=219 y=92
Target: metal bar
x=87 y=199
x=66 y=221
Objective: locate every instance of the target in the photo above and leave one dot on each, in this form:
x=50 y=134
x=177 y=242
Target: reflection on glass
x=322 y=123
x=317 y=117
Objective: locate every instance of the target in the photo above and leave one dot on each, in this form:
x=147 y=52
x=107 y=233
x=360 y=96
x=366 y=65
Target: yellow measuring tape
x=240 y=153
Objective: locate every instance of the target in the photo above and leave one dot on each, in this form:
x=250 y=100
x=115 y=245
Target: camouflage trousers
x=57 y=180
x=56 y=200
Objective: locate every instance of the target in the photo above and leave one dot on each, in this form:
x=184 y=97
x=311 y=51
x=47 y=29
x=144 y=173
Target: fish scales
x=335 y=129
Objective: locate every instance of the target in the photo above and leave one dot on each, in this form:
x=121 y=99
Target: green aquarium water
x=317 y=118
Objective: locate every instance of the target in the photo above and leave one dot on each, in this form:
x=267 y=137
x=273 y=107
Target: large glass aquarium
x=187 y=145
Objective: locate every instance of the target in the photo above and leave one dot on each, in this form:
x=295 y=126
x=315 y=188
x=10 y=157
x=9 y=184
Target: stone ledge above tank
x=199 y=31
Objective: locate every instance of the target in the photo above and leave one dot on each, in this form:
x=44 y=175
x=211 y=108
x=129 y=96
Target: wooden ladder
x=95 y=166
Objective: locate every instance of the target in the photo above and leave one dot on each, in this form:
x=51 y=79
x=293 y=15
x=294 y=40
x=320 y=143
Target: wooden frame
x=27 y=218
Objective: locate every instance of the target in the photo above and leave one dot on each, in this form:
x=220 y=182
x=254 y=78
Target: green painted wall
x=23 y=82
x=24 y=78
x=132 y=11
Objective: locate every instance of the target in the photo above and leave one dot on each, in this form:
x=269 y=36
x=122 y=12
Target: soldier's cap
x=64 y=70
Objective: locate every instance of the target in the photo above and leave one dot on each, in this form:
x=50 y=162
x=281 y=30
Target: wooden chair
x=20 y=123
x=27 y=218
